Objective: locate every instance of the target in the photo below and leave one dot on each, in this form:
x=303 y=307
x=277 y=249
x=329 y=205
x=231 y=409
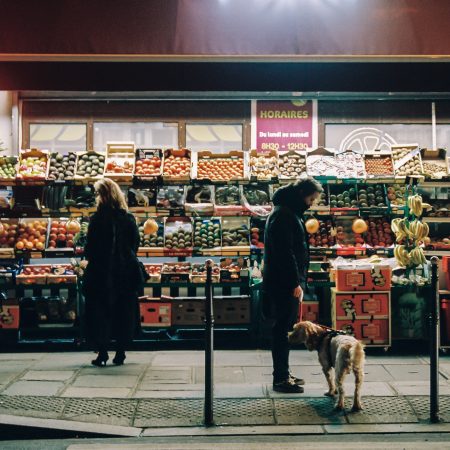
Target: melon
x=150 y=226
x=359 y=226
x=312 y=226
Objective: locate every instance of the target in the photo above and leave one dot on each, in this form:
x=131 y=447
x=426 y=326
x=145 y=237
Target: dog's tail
x=356 y=355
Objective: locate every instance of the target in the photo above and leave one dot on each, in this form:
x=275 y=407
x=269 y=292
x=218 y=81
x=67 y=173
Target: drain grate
x=382 y=410
x=107 y=411
x=169 y=413
x=421 y=406
x=50 y=407
x=308 y=410
x=243 y=411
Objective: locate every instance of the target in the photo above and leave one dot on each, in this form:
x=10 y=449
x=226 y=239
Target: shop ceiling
x=228 y=48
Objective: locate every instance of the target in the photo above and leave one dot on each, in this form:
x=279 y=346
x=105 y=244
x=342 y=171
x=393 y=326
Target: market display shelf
x=437 y=252
x=436 y=219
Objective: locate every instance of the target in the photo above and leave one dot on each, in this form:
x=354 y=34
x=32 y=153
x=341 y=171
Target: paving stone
x=418 y=387
x=237 y=358
x=233 y=374
x=169 y=394
x=393 y=360
x=307 y=410
x=245 y=390
x=9 y=366
x=35 y=388
x=410 y=372
x=127 y=381
x=110 y=369
x=373 y=372
x=168 y=375
x=257 y=374
x=382 y=410
x=64 y=361
x=102 y=411
x=32 y=406
x=179 y=359
x=48 y=375
x=149 y=386
x=21 y=356
x=96 y=392
x=6 y=377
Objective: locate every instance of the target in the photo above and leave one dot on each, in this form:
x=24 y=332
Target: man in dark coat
x=286 y=260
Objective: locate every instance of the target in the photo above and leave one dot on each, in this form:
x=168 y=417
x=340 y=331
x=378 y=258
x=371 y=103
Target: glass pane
x=367 y=137
x=58 y=137
x=216 y=137
x=143 y=134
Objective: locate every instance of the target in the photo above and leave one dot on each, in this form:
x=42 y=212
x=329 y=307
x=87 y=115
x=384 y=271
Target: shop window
x=367 y=137
x=58 y=137
x=216 y=137
x=143 y=134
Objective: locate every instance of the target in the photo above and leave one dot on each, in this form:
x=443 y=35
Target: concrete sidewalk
x=156 y=393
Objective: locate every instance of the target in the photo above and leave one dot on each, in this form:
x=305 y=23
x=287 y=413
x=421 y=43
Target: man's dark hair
x=307 y=187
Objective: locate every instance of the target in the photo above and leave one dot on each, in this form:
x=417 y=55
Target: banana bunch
x=418 y=230
x=417 y=256
x=415 y=204
x=402 y=256
x=400 y=229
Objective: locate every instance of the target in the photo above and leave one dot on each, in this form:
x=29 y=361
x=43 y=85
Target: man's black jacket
x=286 y=248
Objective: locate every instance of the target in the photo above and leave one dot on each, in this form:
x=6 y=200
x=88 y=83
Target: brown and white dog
x=343 y=352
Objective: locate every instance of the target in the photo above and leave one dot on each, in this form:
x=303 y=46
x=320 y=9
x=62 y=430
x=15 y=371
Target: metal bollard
x=209 y=347
x=434 y=342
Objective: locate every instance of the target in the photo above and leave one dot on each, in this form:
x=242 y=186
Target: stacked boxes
x=361 y=304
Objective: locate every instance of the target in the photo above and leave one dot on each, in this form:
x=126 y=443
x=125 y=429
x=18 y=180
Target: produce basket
x=321 y=162
x=435 y=163
x=199 y=199
x=264 y=164
x=350 y=164
x=34 y=274
x=120 y=159
x=142 y=199
x=62 y=167
x=61 y=273
x=152 y=244
x=343 y=199
x=179 y=272
x=325 y=237
x=31 y=234
x=379 y=233
x=170 y=198
x=256 y=199
x=32 y=165
x=292 y=165
x=378 y=164
x=90 y=166
x=207 y=235
x=219 y=166
x=8 y=236
x=235 y=235
x=177 y=165
x=149 y=163
x=61 y=236
x=178 y=236
x=198 y=274
x=227 y=200
x=234 y=269
x=407 y=160
x=8 y=168
x=154 y=271
x=372 y=198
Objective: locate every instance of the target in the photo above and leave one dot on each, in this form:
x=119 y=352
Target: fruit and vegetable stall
x=381 y=215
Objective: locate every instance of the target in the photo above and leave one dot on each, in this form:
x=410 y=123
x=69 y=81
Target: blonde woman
x=113 y=276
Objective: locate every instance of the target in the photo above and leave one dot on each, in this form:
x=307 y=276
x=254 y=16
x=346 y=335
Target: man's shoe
x=297 y=381
x=287 y=387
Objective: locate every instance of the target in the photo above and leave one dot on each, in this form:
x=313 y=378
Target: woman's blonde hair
x=109 y=194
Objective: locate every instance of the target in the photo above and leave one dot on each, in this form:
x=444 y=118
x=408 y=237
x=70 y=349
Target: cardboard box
x=9 y=314
x=364 y=278
x=365 y=305
x=188 y=311
x=309 y=311
x=376 y=332
x=232 y=311
x=155 y=313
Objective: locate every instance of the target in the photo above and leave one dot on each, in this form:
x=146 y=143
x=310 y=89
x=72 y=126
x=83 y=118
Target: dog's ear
x=311 y=336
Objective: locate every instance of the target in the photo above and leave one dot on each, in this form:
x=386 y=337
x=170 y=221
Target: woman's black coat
x=286 y=249
x=112 y=278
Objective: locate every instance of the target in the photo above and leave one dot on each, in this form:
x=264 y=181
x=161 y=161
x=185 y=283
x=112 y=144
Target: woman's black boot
x=119 y=358
x=101 y=360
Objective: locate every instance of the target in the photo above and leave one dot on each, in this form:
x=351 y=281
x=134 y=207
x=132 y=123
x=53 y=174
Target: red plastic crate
x=360 y=279
x=9 y=315
x=364 y=305
x=370 y=332
x=309 y=311
x=155 y=313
